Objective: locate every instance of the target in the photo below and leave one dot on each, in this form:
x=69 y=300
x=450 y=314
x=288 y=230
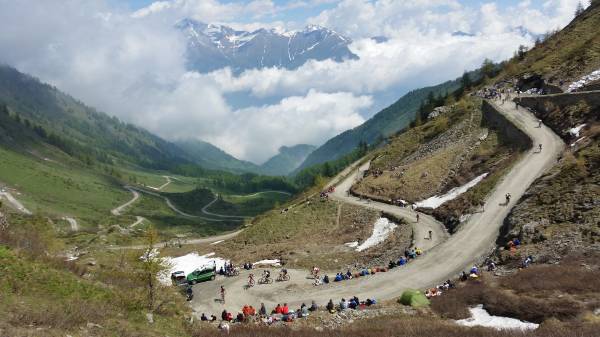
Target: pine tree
x=465 y=81
x=487 y=68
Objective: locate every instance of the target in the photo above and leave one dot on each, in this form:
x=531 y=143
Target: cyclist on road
x=266 y=275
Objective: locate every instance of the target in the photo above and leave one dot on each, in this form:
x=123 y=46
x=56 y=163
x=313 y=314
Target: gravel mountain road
x=474 y=240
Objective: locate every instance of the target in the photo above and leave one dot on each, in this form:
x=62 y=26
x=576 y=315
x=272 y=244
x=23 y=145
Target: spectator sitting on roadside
x=203 y=317
x=402 y=261
x=304 y=310
x=352 y=304
x=326 y=279
x=343 y=304
x=278 y=309
x=262 y=311
x=313 y=306
x=348 y=274
x=370 y=302
x=240 y=317
x=285 y=309
x=391 y=265
x=213 y=318
x=224 y=315
x=338 y=277
x=330 y=307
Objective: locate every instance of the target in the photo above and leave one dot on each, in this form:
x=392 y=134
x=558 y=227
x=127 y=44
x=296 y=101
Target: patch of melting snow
x=577 y=141
x=480 y=317
x=593 y=76
x=382 y=229
x=438 y=200
x=188 y=263
x=575 y=131
x=275 y=262
x=352 y=244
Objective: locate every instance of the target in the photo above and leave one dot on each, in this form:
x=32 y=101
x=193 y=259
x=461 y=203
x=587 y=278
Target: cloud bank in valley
x=132 y=63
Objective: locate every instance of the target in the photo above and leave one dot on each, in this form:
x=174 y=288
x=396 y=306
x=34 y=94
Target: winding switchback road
x=475 y=239
x=136 y=195
x=204 y=211
x=420 y=229
x=178 y=211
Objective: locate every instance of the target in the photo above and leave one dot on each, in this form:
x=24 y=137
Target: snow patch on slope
x=275 y=262
x=382 y=229
x=575 y=131
x=480 y=317
x=593 y=76
x=438 y=200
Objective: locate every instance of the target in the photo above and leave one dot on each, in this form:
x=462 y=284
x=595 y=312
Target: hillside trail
x=473 y=241
x=261 y=192
x=184 y=242
x=118 y=210
x=138 y=220
x=204 y=211
x=160 y=188
x=15 y=203
x=72 y=222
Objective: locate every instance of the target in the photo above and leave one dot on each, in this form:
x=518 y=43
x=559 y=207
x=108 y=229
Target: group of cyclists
x=267 y=279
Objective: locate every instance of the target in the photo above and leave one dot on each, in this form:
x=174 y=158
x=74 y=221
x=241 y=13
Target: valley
x=466 y=208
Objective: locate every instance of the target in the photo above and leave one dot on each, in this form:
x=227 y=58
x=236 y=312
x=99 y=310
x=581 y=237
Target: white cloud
x=154 y=7
x=366 y=18
x=410 y=57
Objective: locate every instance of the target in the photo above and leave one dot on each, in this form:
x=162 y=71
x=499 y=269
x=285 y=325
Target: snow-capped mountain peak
x=214 y=46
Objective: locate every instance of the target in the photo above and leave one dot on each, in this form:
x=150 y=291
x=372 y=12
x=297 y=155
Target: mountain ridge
x=213 y=46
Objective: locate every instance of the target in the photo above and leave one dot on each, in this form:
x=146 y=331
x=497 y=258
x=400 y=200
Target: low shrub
x=565 y=278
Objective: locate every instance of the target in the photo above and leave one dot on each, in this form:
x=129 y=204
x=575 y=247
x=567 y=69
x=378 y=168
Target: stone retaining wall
x=510 y=133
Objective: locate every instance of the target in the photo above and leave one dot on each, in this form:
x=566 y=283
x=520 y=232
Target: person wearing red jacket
x=285 y=310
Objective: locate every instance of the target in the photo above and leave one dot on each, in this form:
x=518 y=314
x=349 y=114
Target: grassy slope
x=58 y=188
x=88 y=132
x=287 y=160
x=211 y=157
x=41 y=294
x=390 y=120
x=567 y=55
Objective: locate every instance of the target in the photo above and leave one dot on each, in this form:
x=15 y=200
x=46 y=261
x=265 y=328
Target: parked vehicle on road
x=178 y=278
x=201 y=275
